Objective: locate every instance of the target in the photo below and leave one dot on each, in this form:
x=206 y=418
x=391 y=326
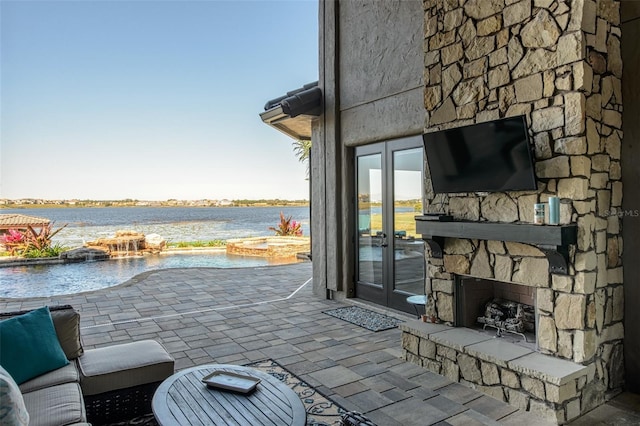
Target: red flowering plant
x=287 y=227
x=12 y=240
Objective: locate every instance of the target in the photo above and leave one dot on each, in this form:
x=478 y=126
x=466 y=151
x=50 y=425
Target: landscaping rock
x=83 y=254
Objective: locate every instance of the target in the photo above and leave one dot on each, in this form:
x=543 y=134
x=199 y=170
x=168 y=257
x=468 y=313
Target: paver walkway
x=237 y=316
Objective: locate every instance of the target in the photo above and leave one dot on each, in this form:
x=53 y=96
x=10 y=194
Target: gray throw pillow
x=67 y=324
x=12 y=409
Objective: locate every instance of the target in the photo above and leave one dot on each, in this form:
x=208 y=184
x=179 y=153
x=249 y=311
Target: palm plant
x=302 y=150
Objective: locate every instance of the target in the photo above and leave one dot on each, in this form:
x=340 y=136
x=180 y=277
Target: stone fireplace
x=558 y=63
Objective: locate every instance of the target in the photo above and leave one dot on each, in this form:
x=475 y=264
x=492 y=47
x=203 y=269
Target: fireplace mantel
x=552 y=240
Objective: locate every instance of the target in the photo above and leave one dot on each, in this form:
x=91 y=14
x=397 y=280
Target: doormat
x=321 y=410
x=365 y=318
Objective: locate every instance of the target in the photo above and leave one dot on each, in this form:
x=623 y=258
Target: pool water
x=71 y=278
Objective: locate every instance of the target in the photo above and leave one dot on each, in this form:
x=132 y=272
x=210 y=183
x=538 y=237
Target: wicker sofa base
x=119 y=405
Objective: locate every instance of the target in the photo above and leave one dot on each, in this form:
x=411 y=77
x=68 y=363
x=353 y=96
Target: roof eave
x=293 y=113
x=298 y=128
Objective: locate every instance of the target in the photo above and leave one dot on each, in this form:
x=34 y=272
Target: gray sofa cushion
x=67 y=324
x=67 y=374
x=56 y=405
x=123 y=366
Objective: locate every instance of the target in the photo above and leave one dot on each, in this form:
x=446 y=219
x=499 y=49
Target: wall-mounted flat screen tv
x=486 y=157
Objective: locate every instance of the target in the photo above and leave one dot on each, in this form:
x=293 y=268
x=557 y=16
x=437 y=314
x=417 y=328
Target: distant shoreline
x=8 y=204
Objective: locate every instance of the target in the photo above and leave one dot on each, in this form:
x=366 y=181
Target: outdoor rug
x=321 y=411
x=370 y=320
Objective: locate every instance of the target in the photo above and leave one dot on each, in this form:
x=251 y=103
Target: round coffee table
x=183 y=399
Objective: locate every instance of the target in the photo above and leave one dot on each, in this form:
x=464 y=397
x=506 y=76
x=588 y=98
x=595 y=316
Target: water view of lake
x=172 y=223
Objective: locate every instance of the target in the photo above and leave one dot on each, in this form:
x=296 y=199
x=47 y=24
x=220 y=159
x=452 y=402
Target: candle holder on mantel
x=554 y=211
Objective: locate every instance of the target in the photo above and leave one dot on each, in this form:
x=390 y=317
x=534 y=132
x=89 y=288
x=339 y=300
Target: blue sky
x=151 y=100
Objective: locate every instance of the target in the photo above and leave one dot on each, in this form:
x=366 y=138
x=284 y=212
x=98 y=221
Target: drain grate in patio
x=365 y=318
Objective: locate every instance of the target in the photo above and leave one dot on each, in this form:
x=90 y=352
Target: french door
x=390 y=263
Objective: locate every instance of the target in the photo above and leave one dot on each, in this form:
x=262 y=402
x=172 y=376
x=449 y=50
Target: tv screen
x=486 y=157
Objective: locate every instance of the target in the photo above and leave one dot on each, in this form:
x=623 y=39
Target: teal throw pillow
x=29 y=345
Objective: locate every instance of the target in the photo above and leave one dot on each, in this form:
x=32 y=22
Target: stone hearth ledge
x=504 y=354
x=532 y=381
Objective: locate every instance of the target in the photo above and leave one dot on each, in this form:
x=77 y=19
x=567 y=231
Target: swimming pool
x=71 y=278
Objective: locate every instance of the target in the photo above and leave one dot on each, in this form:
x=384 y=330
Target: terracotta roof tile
x=20 y=220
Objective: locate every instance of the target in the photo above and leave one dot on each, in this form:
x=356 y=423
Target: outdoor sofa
x=48 y=379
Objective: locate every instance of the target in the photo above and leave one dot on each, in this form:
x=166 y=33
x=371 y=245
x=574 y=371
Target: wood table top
x=183 y=399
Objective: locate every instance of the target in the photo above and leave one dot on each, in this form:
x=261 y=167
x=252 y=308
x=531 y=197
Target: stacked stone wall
x=559 y=64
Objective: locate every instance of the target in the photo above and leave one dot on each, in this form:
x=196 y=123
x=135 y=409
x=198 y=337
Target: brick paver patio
x=237 y=316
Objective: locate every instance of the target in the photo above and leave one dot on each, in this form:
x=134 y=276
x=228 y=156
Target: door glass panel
x=409 y=262
x=370 y=236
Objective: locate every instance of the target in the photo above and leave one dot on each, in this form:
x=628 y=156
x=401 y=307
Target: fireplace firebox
x=503 y=309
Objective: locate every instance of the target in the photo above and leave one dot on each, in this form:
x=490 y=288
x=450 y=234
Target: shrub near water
x=186 y=244
x=53 y=251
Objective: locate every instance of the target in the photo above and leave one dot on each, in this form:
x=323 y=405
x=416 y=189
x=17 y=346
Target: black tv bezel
x=531 y=160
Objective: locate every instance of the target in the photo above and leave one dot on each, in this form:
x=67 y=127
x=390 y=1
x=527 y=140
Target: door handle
x=383 y=241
